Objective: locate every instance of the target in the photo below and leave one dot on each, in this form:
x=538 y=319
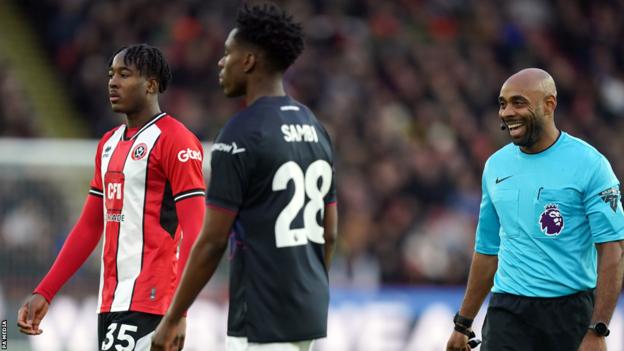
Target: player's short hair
x=273 y=31
x=149 y=61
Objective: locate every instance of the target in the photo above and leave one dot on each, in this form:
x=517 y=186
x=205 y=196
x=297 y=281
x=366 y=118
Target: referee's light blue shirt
x=542 y=214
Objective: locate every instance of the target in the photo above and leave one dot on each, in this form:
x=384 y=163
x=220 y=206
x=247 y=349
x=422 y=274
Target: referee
x=549 y=237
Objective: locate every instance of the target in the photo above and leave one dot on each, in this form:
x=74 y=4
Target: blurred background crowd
x=407 y=89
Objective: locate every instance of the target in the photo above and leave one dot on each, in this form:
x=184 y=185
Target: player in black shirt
x=272 y=187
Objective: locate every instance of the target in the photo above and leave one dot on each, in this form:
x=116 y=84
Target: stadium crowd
x=16 y=112
x=407 y=89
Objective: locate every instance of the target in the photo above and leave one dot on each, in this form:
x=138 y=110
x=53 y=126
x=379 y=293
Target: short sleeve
x=231 y=161
x=331 y=194
x=487 y=240
x=603 y=204
x=330 y=197
x=183 y=157
x=96 y=187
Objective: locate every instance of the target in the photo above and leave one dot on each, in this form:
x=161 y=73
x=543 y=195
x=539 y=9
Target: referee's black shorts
x=517 y=323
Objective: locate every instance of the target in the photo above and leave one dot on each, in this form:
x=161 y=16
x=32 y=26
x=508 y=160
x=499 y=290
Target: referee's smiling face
x=522 y=113
x=236 y=62
x=128 y=90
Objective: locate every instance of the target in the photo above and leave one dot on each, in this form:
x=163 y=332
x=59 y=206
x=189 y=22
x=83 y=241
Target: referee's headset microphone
x=503 y=126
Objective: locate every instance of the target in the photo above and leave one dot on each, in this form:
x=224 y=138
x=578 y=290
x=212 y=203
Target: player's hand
x=166 y=337
x=457 y=342
x=31 y=313
x=181 y=336
x=593 y=342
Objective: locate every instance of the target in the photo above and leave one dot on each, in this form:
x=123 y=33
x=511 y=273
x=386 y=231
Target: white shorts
x=233 y=343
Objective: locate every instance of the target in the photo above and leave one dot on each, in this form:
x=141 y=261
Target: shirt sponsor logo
x=299 y=133
x=189 y=154
x=233 y=148
x=114 y=191
x=551 y=221
x=139 y=151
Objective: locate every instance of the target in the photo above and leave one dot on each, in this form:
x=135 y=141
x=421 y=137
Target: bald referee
x=549 y=237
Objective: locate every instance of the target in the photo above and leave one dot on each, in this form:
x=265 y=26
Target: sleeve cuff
x=47 y=297
x=96 y=192
x=189 y=193
x=489 y=252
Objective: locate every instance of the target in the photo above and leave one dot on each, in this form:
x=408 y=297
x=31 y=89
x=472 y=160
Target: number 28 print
x=305 y=184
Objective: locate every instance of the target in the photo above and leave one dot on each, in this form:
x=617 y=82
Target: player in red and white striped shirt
x=146 y=196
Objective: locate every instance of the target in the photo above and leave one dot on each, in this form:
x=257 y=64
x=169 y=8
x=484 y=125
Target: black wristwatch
x=600 y=328
x=463 y=321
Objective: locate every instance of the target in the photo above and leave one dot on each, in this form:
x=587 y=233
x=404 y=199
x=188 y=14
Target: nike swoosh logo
x=498 y=180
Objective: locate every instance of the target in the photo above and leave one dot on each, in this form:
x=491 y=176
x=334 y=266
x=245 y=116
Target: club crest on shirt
x=611 y=197
x=139 y=151
x=551 y=221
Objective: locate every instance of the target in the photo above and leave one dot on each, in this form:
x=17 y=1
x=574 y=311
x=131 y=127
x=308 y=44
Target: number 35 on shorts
x=120 y=341
x=304 y=184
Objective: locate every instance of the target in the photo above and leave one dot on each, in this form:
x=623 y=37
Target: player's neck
x=264 y=86
x=136 y=120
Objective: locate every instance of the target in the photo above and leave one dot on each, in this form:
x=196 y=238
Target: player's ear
x=152 y=86
x=250 y=61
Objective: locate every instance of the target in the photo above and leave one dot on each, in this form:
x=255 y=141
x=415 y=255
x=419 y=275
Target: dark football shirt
x=272 y=165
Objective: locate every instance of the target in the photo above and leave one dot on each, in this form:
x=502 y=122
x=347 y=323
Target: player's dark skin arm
x=608 y=287
x=330 y=224
x=480 y=281
x=202 y=263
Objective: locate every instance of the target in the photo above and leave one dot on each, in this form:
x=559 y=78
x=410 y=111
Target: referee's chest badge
x=139 y=151
x=551 y=221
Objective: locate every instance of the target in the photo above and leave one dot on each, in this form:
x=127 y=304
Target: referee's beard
x=534 y=130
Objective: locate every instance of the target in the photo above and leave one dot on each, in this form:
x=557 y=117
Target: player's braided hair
x=273 y=31
x=149 y=61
